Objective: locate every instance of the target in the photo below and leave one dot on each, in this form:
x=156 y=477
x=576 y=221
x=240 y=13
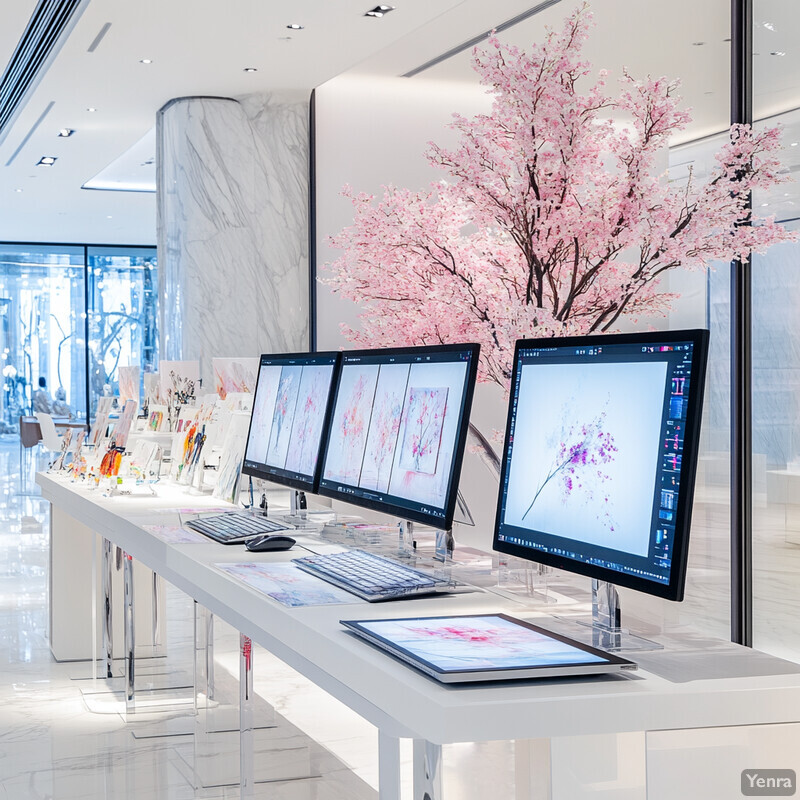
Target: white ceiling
x=199 y=47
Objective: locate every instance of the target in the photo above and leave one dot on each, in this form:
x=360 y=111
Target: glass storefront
x=44 y=330
x=123 y=318
x=776 y=353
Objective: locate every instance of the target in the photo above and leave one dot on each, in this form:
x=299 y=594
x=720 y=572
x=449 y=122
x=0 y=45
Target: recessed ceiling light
x=65 y=133
x=379 y=11
x=17 y=190
x=764 y=205
x=777 y=53
x=295 y=27
x=145 y=60
x=46 y=161
x=250 y=69
x=91 y=109
x=109 y=216
x=794 y=144
x=769 y=26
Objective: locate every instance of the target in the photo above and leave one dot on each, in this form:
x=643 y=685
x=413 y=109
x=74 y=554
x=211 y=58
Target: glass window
x=123 y=327
x=42 y=331
x=46 y=335
x=776 y=356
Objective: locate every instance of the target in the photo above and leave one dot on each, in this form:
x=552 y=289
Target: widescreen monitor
x=600 y=456
x=291 y=408
x=398 y=429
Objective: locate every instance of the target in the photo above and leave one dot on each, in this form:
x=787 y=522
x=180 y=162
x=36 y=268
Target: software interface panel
x=594 y=454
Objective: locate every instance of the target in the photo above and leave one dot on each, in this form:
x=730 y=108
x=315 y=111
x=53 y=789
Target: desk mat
x=287 y=584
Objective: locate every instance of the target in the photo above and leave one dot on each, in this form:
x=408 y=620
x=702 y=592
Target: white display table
x=403 y=703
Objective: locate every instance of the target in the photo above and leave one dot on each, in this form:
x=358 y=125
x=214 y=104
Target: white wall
x=375 y=131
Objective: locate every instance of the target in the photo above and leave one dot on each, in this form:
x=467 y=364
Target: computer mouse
x=273 y=541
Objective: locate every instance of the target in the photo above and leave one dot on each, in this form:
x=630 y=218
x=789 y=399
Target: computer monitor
x=291 y=408
x=600 y=456
x=398 y=429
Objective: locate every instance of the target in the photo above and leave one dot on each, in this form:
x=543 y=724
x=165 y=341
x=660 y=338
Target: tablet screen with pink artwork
x=484 y=647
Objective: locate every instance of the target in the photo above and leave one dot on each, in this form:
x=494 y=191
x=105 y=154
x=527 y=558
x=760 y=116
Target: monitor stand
x=607 y=632
x=297 y=507
x=406 y=546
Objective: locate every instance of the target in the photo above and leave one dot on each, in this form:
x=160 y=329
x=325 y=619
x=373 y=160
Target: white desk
x=403 y=703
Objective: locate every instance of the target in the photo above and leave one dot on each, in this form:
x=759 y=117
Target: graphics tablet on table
x=484 y=647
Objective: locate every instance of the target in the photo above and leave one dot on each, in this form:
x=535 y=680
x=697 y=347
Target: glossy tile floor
x=59 y=741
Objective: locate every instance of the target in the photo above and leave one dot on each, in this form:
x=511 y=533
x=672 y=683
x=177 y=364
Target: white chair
x=50 y=438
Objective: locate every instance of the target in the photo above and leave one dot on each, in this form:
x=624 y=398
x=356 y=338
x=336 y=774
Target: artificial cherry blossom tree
x=552 y=219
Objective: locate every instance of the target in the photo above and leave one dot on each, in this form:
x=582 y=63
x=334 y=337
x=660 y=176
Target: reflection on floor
x=52 y=747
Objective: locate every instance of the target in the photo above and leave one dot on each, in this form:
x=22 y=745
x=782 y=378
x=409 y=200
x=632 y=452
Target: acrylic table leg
x=155 y=621
x=94 y=607
x=427 y=770
x=108 y=627
x=203 y=655
x=388 y=767
x=130 y=636
x=246 y=737
x=201 y=739
x=209 y=655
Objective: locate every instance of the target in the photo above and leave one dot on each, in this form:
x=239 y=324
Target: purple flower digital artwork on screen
x=582 y=449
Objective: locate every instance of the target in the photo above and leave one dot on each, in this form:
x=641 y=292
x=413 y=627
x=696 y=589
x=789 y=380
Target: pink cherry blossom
x=551 y=219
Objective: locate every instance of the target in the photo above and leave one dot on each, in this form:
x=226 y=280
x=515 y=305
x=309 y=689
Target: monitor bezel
x=409 y=514
x=674 y=590
x=285 y=480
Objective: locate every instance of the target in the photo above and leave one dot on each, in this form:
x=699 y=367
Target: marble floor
x=61 y=741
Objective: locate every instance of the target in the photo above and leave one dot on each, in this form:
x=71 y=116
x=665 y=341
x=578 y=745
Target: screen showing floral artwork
x=288 y=418
x=492 y=642
x=597 y=448
x=397 y=420
x=595 y=434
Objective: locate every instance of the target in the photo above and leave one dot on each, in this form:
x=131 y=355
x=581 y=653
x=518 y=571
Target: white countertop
x=402 y=701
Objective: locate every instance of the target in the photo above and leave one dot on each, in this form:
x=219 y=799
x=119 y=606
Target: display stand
x=236 y=739
x=246 y=737
x=297 y=506
x=406 y=544
x=605 y=625
x=130 y=636
x=108 y=627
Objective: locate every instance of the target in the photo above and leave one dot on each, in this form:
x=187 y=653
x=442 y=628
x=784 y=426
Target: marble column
x=232 y=226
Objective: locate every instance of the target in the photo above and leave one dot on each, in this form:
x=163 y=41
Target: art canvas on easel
x=156 y=418
x=236 y=375
x=230 y=462
x=178 y=382
x=129 y=385
x=152 y=389
x=123 y=427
